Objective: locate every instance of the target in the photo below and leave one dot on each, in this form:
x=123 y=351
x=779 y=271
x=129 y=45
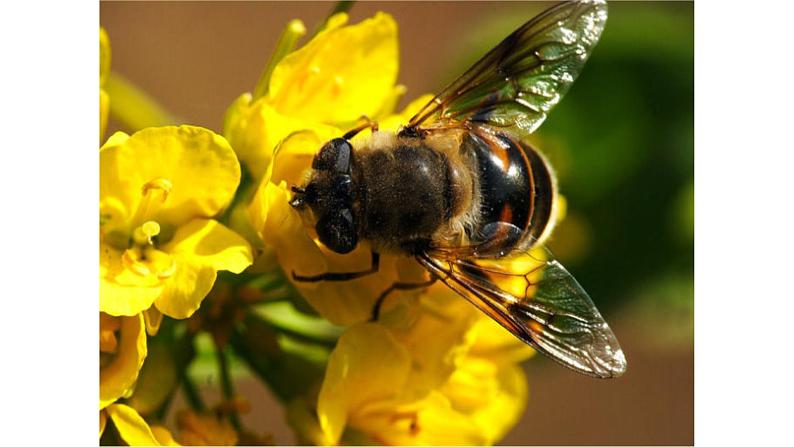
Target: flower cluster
x=177 y=208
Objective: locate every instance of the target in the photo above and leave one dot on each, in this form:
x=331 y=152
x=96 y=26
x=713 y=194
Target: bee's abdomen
x=515 y=184
x=403 y=194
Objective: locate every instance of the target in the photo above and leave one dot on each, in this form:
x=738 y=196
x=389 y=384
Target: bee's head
x=330 y=194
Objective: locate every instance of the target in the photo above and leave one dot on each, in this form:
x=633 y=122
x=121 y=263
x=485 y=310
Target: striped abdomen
x=516 y=185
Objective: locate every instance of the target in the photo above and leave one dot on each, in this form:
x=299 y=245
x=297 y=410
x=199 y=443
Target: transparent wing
x=515 y=84
x=534 y=297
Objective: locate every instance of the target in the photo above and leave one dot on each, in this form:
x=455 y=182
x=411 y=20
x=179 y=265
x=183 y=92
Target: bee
x=460 y=190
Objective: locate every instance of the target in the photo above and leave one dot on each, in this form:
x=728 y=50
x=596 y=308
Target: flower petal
x=366 y=365
x=493 y=397
x=119 y=376
x=104 y=56
x=157 y=379
x=122 y=292
x=498 y=345
x=431 y=421
x=255 y=129
x=132 y=428
x=163 y=436
x=187 y=288
x=438 y=334
x=104 y=109
x=200 y=166
x=344 y=72
x=393 y=122
x=211 y=244
x=103 y=419
x=281 y=226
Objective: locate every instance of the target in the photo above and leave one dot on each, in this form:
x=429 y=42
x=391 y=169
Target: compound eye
x=334 y=156
x=337 y=231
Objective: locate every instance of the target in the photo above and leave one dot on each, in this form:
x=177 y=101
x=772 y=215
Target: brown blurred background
x=629 y=215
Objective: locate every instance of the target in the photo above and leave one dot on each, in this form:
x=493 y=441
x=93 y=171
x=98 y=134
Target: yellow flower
x=296 y=246
x=159 y=191
x=341 y=74
x=421 y=379
x=204 y=429
x=122 y=350
x=104 y=71
x=132 y=428
x=314 y=93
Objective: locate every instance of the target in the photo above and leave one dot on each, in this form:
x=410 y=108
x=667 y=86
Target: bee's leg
x=341 y=276
x=399 y=286
x=368 y=123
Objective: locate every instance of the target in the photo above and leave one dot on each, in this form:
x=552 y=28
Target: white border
x=744 y=289
x=49 y=181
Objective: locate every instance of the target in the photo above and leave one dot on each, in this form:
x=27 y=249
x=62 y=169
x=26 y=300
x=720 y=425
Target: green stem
x=286 y=43
x=191 y=392
x=308 y=338
x=227 y=386
x=133 y=107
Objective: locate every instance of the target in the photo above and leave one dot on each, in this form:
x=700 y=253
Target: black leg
x=399 y=286
x=341 y=276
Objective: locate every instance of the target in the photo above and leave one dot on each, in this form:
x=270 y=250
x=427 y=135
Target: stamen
x=131 y=260
x=147 y=260
x=162 y=184
x=143 y=235
x=155 y=193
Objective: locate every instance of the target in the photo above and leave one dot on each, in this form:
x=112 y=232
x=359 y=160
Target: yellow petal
x=280 y=226
x=113 y=213
x=431 y=421
x=438 y=334
x=498 y=345
x=301 y=416
x=156 y=380
x=121 y=291
x=492 y=397
x=103 y=419
x=104 y=56
x=119 y=376
x=367 y=365
x=199 y=166
x=186 y=289
x=116 y=139
x=505 y=410
x=292 y=160
x=163 y=436
x=255 y=129
x=132 y=428
x=104 y=108
x=153 y=318
x=390 y=104
x=393 y=122
x=211 y=244
x=341 y=74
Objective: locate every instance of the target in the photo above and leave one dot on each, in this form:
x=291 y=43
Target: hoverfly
x=460 y=190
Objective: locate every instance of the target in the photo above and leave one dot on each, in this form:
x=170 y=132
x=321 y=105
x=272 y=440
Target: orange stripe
x=506 y=215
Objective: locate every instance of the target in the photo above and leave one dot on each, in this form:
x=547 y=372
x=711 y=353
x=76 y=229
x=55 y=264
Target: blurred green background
x=622 y=142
